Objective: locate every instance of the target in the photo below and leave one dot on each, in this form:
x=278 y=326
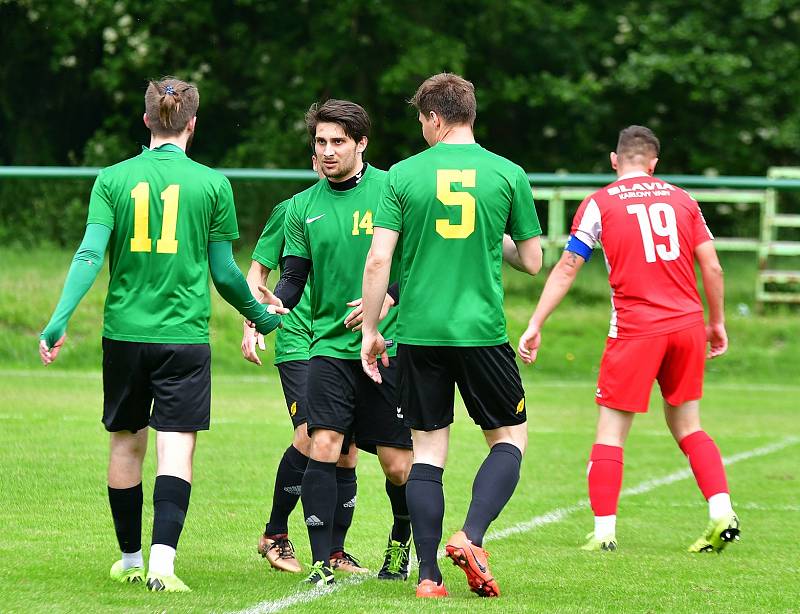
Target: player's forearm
x=257 y=276
x=374 y=289
x=558 y=284
x=714 y=286
x=83 y=271
x=511 y=254
x=232 y=286
x=294 y=276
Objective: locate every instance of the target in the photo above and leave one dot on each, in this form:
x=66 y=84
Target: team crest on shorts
x=293 y=409
x=520 y=405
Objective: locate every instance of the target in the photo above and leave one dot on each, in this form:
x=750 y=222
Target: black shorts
x=342 y=398
x=487 y=378
x=173 y=380
x=294 y=375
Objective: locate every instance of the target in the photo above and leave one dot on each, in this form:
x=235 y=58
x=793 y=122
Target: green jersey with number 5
x=452 y=203
x=163 y=209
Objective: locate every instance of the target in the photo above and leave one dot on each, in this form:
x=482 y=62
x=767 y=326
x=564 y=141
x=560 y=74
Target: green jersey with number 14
x=163 y=209
x=452 y=204
x=333 y=229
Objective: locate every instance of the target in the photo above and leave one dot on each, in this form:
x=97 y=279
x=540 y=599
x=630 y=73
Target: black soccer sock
x=346 y=488
x=319 y=503
x=126 y=510
x=170 y=502
x=401 y=529
x=425 y=497
x=493 y=486
x=286 y=494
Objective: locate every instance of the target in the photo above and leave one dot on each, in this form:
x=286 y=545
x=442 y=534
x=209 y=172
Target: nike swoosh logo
x=310 y=220
x=477 y=562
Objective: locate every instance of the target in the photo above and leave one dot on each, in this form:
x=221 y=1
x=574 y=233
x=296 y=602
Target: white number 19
x=650 y=223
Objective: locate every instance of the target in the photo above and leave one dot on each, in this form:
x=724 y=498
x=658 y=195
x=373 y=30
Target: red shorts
x=629 y=367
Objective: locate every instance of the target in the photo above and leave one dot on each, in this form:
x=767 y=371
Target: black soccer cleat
x=395 y=561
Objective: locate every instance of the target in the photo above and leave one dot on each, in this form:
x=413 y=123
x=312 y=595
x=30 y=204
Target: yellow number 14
x=362 y=222
x=140 y=242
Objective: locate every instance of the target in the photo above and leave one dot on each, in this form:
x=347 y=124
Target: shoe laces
x=318 y=571
x=395 y=555
x=348 y=558
x=284 y=546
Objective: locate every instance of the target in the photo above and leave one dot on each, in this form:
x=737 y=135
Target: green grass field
x=57 y=539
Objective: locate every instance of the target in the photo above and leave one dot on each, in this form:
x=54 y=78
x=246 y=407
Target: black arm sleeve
x=394 y=292
x=294 y=275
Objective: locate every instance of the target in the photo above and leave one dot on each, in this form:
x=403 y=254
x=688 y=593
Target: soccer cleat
x=395 y=561
x=279 y=551
x=131 y=575
x=719 y=533
x=168 y=584
x=429 y=588
x=473 y=560
x=607 y=544
x=320 y=575
x=342 y=561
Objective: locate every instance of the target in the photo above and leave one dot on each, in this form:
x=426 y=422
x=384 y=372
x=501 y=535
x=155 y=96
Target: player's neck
x=178 y=141
x=456 y=135
x=623 y=171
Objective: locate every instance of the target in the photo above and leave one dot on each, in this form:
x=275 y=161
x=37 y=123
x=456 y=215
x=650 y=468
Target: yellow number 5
x=140 y=242
x=464 y=200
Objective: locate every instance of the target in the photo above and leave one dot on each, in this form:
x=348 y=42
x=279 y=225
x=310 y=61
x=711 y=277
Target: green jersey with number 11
x=452 y=204
x=163 y=209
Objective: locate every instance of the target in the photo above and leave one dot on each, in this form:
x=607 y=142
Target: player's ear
x=614 y=160
x=651 y=167
x=362 y=144
x=144 y=119
x=191 y=124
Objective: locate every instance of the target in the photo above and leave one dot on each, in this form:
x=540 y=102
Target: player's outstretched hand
x=268 y=298
x=717 y=339
x=49 y=354
x=251 y=339
x=373 y=346
x=355 y=319
x=529 y=344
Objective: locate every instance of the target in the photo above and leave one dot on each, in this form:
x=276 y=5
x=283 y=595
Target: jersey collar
x=168 y=148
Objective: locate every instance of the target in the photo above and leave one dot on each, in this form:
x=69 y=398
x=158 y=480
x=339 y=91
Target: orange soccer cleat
x=474 y=561
x=429 y=589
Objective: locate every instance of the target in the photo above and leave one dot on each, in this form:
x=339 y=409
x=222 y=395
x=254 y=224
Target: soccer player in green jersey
x=292 y=343
x=452 y=205
x=165 y=220
x=328 y=230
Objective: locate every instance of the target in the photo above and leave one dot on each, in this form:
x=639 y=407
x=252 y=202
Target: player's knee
x=301 y=441
x=397 y=467
x=326 y=446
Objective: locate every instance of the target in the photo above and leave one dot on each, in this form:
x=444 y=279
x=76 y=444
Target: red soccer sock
x=605 y=478
x=706 y=463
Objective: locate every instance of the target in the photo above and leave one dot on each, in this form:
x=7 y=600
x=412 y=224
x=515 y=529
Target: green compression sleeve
x=85 y=266
x=232 y=286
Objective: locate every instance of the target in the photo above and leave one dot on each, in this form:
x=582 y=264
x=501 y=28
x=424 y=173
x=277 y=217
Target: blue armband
x=576 y=246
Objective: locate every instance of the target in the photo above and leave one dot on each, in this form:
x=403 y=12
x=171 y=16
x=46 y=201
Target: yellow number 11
x=140 y=242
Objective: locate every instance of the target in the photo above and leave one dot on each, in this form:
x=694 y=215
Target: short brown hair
x=350 y=116
x=637 y=141
x=170 y=103
x=451 y=97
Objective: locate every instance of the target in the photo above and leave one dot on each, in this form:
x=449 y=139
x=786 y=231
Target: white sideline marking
x=266 y=374
x=551 y=517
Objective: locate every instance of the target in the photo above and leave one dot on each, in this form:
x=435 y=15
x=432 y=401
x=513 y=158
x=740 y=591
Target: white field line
x=551 y=517
x=267 y=374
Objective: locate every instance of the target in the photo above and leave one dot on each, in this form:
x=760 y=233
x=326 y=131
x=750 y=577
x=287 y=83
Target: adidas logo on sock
x=351 y=503
x=292 y=490
x=313 y=521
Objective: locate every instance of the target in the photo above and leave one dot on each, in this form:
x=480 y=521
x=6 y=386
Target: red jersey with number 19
x=648 y=229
